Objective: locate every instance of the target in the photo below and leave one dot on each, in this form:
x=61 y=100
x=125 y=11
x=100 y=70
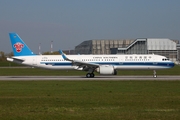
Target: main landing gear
x=154 y=74
x=90 y=75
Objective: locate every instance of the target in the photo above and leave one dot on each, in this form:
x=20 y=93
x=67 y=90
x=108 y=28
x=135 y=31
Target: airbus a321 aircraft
x=104 y=64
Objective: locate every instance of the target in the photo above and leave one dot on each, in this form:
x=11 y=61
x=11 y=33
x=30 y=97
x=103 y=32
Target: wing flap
x=81 y=63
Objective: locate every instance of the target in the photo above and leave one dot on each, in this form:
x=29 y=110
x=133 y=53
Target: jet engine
x=106 y=70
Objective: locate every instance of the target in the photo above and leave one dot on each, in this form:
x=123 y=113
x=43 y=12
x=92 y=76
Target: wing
x=84 y=65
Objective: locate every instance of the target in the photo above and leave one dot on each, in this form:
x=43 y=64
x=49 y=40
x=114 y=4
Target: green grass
x=90 y=100
x=44 y=72
x=9 y=64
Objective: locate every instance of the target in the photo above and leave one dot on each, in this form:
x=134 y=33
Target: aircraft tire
x=92 y=75
x=88 y=75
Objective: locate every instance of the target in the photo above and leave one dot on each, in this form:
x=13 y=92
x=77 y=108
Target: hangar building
x=160 y=46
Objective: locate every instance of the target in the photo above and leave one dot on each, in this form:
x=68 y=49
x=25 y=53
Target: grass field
x=90 y=100
x=9 y=64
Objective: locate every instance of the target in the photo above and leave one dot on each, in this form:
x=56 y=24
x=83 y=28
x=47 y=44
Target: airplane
x=103 y=64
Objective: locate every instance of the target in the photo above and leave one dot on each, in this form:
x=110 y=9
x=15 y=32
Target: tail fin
x=18 y=46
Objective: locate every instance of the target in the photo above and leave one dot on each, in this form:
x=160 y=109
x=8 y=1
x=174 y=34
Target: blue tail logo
x=18 y=46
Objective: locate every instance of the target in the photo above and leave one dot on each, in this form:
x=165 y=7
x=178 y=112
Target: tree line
x=3 y=56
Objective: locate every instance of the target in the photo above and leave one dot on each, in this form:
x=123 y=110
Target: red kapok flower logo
x=18 y=46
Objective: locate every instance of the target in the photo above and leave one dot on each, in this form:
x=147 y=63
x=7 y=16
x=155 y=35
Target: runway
x=77 y=78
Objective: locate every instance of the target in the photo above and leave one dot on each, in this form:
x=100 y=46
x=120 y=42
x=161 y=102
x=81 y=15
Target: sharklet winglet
x=64 y=56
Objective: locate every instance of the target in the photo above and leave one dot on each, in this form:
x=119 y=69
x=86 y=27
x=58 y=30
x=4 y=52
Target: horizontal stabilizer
x=15 y=60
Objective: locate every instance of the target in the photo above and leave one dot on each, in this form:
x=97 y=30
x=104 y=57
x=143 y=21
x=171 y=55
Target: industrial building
x=160 y=46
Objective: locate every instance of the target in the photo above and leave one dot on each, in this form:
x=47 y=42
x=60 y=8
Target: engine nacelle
x=106 y=70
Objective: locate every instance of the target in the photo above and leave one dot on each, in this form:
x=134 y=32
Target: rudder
x=18 y=46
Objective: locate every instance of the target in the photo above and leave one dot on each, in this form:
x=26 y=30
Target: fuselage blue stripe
x=166 y=64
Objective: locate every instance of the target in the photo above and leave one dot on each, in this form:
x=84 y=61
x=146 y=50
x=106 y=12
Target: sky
x=69 y=22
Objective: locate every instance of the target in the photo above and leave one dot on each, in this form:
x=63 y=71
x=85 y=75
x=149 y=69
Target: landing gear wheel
x=155 y=76
x=90 y=75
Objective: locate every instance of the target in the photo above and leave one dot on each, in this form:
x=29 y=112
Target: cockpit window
x=165 y=59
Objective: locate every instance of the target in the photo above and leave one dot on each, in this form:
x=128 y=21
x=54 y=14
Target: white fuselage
x=118 y=61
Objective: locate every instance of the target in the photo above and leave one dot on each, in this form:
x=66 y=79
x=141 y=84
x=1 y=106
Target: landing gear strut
x=90 y=75
x=154 y=74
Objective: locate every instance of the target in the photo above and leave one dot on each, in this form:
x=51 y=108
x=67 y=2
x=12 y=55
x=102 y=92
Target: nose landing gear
x=154 y=74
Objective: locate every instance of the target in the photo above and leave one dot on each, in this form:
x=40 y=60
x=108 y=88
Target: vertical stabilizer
x=18 y=46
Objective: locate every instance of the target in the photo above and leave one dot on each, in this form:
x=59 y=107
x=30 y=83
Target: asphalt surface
x=72 y=78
